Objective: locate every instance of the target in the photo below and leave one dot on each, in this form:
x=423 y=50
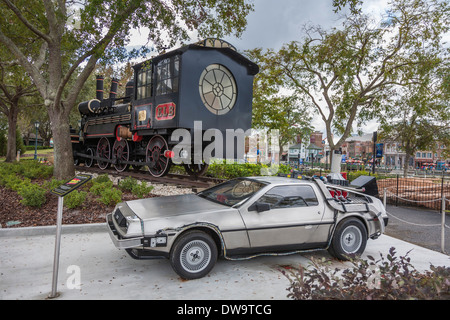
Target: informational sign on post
x=71 y=185
x=61 y=192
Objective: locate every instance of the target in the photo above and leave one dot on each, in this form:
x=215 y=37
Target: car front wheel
x=349 y=240
x=194 y=255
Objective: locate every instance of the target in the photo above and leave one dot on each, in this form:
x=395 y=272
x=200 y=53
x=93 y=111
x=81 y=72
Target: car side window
x=290 y=196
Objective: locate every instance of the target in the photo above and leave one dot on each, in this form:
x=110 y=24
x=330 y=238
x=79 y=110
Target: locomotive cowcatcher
x=208 y=81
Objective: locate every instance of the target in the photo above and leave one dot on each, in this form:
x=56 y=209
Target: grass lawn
x=44 y=151
x=30 y=153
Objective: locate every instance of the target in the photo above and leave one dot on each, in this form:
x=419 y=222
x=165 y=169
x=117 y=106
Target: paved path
x=419 y=226
x=26 y=262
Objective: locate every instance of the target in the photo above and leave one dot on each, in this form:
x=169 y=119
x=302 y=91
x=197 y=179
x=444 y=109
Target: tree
x=421 y=117
x=14 y=88
x=73 y=35
x=354 y=5
x=275 y=110
x=347 y=74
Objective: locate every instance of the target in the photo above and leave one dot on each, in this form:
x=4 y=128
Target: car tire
x=193 y=255
x=349 y=239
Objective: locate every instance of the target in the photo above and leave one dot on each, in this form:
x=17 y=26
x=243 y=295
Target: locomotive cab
x=207 y=84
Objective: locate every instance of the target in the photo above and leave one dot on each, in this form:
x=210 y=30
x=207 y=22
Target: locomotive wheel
x=88 y=162
x=155 y=152
x=121 y=151
x=195 y=170
x=103 y=151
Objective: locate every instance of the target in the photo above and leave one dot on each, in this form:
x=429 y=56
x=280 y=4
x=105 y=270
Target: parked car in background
x=245 y=217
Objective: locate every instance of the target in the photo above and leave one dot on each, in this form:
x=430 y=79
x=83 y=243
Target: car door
x=294 y=213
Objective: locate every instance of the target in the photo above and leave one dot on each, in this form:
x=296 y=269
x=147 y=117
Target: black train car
x=208 y=81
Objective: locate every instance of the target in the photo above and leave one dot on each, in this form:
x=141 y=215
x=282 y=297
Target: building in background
x=358 y=147
x=297 y=154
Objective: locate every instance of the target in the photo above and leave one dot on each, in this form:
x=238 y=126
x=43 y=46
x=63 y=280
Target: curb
x=51 y=230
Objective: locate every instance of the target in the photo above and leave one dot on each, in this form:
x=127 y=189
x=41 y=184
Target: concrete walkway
x=92 y=268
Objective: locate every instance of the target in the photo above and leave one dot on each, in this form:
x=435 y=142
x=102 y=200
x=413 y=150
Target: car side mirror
x=259 y=207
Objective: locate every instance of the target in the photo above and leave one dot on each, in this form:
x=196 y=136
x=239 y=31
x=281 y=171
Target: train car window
x=144 y=83
x=167 y=72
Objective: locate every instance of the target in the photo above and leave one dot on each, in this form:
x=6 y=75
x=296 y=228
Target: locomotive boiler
x=207 y=81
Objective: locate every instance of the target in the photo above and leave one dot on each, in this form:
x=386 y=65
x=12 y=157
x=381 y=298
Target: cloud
x=274 y=23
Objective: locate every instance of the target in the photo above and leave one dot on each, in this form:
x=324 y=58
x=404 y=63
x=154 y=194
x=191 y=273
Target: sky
x=275 y=22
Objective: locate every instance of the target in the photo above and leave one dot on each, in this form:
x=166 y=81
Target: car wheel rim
x=195 y=256
x=351 y=239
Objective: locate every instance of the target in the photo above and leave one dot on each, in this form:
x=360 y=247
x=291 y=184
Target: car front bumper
x=117 y=239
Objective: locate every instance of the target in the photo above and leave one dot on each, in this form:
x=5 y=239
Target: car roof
x=279 y=180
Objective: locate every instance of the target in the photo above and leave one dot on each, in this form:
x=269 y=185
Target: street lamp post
x=374 y=151
x=36 y=125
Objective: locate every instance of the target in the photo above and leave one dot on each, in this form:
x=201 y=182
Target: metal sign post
x=54 y=294
x=61 y=192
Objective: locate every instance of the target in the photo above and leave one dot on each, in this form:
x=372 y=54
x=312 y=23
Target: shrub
x=128 y=184
x=28 y=168
x=352 y=175
x=390 y=278
x=20 y=146
x=110 y=197
x=13 y=182
x=75 y=199
x=32 y=195
x=52 y=184
x=141 y=190
x=34 y=170
x=3 y=142
x=98 y=187
x=223 y=170
x=101 y=179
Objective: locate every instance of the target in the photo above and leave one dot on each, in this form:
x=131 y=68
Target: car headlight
x=131 y=219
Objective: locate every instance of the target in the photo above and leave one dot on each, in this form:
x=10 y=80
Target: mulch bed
x=12 y=211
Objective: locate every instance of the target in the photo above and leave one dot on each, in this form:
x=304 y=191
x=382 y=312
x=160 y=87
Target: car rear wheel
x=349 y=240
x=194 y=255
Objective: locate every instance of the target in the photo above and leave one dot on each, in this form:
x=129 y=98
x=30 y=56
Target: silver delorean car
x=244 y=218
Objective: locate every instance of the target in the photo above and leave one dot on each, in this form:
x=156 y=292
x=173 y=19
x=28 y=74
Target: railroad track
x=172 y=179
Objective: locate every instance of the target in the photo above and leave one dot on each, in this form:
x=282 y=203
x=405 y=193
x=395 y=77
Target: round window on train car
x=217 y=89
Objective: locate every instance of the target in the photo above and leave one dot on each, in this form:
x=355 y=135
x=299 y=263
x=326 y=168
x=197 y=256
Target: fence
x=431 y=193
x=419 y=192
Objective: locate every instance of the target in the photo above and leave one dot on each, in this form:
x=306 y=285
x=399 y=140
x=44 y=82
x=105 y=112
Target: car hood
x=172 y=206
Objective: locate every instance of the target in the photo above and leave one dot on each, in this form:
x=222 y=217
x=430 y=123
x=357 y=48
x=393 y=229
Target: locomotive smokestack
x=113 y=91
x=129 y=89
x=99 y=94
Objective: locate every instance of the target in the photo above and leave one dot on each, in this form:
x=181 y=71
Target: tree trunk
x=280 y=153
x=12 y=125
x=332 y=148
x=406 y=164
x=63 y=156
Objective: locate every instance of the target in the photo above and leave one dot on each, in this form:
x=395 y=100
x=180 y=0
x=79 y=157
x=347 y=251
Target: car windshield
x=232 y=192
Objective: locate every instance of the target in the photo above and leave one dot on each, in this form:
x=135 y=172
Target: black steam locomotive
x=208 y=81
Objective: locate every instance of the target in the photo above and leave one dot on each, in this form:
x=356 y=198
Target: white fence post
x=443 y=225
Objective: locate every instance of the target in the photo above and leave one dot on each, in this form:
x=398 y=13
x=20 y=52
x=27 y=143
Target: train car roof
x=208 y=44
